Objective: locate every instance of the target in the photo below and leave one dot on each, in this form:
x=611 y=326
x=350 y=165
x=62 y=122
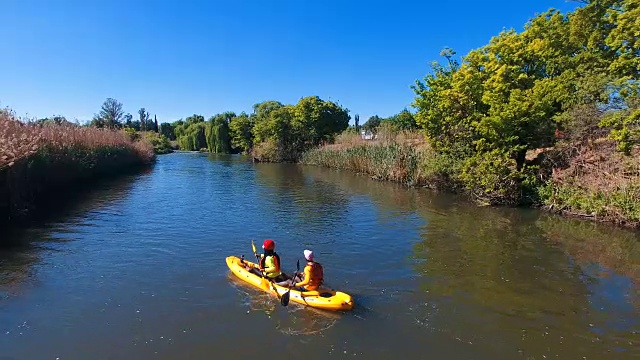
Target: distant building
x=367 y=135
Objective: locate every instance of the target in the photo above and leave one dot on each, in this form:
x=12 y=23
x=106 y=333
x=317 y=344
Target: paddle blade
x=284 y=300
x=253 y=246
x=298 y=265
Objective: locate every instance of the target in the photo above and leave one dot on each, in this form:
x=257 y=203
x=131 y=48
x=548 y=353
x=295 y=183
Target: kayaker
x=269 y=262
x=313 y=276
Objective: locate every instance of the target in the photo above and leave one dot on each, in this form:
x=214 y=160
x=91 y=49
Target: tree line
x=404 y=120
x=272 y=132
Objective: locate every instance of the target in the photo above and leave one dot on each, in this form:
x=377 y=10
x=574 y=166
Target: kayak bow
x=322 y=298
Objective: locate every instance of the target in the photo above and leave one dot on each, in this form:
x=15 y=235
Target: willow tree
x=217 y=133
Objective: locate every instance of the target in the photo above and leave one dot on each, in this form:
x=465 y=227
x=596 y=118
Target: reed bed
x=39 y=159
x=392 y=156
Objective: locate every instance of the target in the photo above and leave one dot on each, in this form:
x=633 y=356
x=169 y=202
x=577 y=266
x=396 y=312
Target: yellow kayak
x=326 y=299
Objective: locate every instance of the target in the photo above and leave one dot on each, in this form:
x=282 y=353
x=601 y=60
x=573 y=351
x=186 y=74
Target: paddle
x=255 y=252
x=285 y=298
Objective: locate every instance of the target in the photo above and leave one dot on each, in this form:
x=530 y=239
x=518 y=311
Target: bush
x=132 y=134
x=492 y=177
x=160 y=143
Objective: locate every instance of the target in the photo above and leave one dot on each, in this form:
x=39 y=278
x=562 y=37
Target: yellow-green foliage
x=510 y=96
x=160 y=143
x=625 y=126
x=132 y=134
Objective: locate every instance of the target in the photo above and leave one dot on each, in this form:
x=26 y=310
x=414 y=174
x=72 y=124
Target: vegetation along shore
x=40 y=158
x=547 y=117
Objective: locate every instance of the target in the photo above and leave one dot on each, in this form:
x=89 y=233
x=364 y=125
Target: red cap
x=268 y=244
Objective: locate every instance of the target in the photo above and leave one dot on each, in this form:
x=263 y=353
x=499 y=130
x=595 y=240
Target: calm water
x=136 y=270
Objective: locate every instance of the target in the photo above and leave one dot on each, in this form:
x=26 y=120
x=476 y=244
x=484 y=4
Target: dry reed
x=392 y=156
x=36 y=159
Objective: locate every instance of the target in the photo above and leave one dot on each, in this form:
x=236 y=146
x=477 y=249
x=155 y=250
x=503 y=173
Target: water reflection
x=26 y=247
x=294 y=319
x=521 y=280
x=313 y=204
x=591 y=243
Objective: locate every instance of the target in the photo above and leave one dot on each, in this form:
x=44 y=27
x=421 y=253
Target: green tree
x=217 y=133
x=284 y=132
x=110 y=115
x=193 y=119
x=403 y=120
x=262 y=110
x=190 y=134
x=193 y=138
x=444 y=111
x=372 y=123
x=167 y=129
x=316 y=120
x=624 y=37
x=128 y=120
x=241 y=131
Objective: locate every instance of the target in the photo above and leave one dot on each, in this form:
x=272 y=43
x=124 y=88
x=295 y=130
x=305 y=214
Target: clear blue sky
x=176 y=58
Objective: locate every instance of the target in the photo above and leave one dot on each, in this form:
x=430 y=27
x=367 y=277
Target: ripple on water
x=141 y=264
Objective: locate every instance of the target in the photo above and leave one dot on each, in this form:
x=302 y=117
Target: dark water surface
x=136 y=270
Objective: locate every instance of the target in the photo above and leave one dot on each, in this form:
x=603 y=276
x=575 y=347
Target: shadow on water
x=515 y=276
x=23 y=247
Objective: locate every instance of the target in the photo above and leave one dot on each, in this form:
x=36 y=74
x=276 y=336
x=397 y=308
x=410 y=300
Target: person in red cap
x=269 y=262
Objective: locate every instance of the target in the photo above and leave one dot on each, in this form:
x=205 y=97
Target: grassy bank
x=39 y=160
x=400 y=157
x=587 y=179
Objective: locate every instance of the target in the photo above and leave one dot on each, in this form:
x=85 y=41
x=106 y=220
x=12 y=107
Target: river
x=135 y=269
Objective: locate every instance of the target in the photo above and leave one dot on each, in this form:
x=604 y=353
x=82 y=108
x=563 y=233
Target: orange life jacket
x=317 y=275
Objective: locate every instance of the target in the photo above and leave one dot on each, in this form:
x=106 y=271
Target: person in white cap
x=313 y=276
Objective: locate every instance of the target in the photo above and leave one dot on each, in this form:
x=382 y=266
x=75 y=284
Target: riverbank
x=589 y=180
x=38 y=162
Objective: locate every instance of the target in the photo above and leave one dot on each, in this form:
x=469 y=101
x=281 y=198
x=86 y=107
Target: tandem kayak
x=322 y=298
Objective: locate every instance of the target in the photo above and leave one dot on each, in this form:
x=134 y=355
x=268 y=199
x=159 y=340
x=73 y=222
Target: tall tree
x=110 y=114
x=128 y=120
x=144 y=119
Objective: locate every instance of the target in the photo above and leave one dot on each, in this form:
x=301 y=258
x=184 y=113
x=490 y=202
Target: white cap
x=308 y=254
